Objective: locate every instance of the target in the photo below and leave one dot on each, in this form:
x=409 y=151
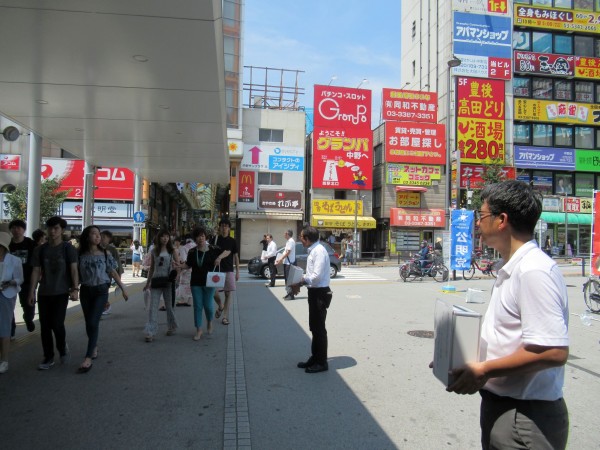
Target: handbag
x=263 y=256
x=159 y=282
x=215 y=279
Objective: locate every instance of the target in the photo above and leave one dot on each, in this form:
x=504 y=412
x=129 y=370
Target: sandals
x=225 y=321
x=218 y=312
x=84 y=369
x=95 y=354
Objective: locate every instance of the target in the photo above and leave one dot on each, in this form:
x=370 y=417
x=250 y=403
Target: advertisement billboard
x=544 y=158
x=412 y=142
x=544 y=63
x=415 y=106
x=341 y=107
x=246 y=186
x=412 y=174
x=480 y=128
x=10 y=162
x=557 y=111
x=337 y=207
x=556 y=19
x=472 y=175
x=401 y=217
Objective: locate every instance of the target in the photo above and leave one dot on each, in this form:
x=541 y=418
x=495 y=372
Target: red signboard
x=342 y=159
x=595 y=259
x=280 y=199
x=415 y=106
x=480 y=120
x=10 y=162
x=246 y=186
x=474 y=175
x=411 y=142
x=401 y=217
x=341 y=107
x=544 y=63
x=112 y=183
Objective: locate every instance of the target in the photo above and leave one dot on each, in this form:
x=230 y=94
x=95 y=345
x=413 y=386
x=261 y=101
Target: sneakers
x=30 y=325
x=46 y=364
x=3 y=366
x=66 y=358
x=107 y=310
x=289 y=297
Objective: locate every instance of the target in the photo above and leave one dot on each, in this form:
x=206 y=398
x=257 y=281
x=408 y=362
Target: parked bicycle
x=486 y=266
x=434 y=269
x=591 y=294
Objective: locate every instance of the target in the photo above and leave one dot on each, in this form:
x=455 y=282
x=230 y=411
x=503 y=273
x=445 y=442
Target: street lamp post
x=355 y=237
x=454 y=62
x=469 y=192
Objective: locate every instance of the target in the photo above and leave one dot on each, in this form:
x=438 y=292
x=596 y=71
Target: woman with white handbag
x=204 y=280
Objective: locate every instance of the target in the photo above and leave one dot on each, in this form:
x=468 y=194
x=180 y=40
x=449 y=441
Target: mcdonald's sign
x=246 y=186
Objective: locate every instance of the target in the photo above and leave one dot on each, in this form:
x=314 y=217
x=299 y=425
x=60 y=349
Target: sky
x=349 y=39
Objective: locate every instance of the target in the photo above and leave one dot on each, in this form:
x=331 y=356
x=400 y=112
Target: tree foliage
x=50 y=200
x=492 y=173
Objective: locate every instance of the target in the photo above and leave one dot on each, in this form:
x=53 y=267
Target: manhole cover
x=421 y=334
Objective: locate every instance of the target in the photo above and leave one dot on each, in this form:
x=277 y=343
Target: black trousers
x=317 y=313
x=272 y=269
x=28 y=311
x=52 y=311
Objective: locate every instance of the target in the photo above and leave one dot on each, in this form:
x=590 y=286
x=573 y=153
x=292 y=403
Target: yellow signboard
x=362 y=222
x=556 y=19
x=339 y=207
x=408 y=199
x=557 y=111
x=412 y=174
x=481 y=140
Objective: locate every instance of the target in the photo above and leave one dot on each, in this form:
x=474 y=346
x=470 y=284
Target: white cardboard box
x=457 y=331
x=294 y=275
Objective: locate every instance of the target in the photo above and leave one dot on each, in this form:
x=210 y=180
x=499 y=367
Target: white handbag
x=215 y=279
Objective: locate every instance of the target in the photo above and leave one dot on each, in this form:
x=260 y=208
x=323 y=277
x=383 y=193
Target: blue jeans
x=203 y=299
x=93 y=299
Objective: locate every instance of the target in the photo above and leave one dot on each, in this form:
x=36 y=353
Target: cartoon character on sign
x=359 y=178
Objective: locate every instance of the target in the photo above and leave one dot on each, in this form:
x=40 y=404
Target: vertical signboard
x=461 y=238
x=595 y=257
x=480 y=127
x=342 y=138
x=246 y=186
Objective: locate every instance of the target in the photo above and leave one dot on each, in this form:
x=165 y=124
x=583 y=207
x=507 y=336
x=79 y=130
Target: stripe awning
x=333 y=221
x=276 y=215
x=574 y=218
x=411 y=188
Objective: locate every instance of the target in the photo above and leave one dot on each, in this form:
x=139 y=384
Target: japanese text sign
x=10 y=162
x=413 y=106
x=268 y=199
x=412 y=142
x=480 y=120
x=481 y=6
x=279 y=158
x=342 y=159
x=401 y=217
x=473 y=175
x=544 y=63
x=555 y=111
x=587 y=161
x=557 y=19
x=246 y=186
x=595 y=259
x=461 y=239
x=337 y=207
x=544 y=158
x=412 y=174
x=408 y=199
x=342 y=107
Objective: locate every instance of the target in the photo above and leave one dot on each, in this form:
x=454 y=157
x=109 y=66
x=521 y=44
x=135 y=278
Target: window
x=597 y=46
x=270 y=178
x=523 y=2
x=584 y=91
x=563 y=184
x=563 y=4
x=377 y=198
x=542 y=182
x=522 y=40
x=542 y=135
x=522 y=87
x=542 y=2
x=414 y=68
x=584 y=5
x=563 y=90
x=541 y=42
x=598 y=138
x=597 y=93
x=378 y=155
x=542 y=88
x=269 y=135
x=563 y=136
x=522 y=133
x=584 y=45
x=584 y=137
x=584 y=184
x=414 y=29
x=563 y=44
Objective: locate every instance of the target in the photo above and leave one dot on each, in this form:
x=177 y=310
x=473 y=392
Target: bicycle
x=487 y=269
x=435 y=269
x=591 y=294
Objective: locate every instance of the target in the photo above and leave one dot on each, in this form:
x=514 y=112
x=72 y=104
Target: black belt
x=319 y=288
x=487 y=395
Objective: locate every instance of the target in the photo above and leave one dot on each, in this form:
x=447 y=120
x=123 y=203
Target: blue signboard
x=139 y=217
x=544 y=158
x=286 y=163
x=482 y=35
x=461 y=239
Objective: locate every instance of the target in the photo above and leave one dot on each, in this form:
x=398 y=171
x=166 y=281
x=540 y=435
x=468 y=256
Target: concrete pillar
x=88 y=195
x=34 y=183
x=137 y=204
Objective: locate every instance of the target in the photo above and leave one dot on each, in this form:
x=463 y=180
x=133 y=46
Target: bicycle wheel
x=494 y=269
x=404 y=271
x=468 y=274
x=441 y=273
x=591 y=295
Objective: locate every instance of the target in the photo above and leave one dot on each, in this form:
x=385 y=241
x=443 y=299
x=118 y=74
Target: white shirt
x=271 y=249
x=317 y=266
x=290 y=246
x=11 y=269
x=529 y=305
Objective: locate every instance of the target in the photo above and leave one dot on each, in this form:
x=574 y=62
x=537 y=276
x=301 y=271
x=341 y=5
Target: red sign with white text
x=112 y=183
x=595 y=259
x=246 y=186
x=10 y=162
x=401 y=217
x=342 y=159
x=474 y=175
x=341 y=107
x=411 y=142
x=415 y=106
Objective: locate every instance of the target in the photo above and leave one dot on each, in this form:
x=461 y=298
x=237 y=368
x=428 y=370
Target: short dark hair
x=38 y=234
x=56 y=220
x=521 y=203
x=198 y=231
x=106 y=233
x=225 y=222
x=290 y=233
x=310 y=233
x=17 y=223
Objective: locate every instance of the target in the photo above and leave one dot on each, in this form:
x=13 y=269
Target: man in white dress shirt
x=271 y=256
x=289 y=259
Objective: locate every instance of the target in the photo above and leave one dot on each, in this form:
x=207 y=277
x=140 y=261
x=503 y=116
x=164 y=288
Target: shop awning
x=275 y=215
x=411 y=189
x=362 y=222
x=574 y=219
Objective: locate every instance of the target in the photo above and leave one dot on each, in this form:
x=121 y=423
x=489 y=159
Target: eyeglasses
x=480 y=215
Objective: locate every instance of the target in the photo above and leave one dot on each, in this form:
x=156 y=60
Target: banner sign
x=246 y=185
x=595 y=256
x=433 y=218
x=341 y=107
x=587 y=67
x=480 y=128
x=461 y=239
x=411 y=142
x=557 y=19
x=342 y=159
x=337 y=207
x=481 y=6
x=112 y=183
x=587 y=160
x=273 y=157
x=8 y=161
x=415 y=106
x=576 y=205
x=101 y=209
x=544 y=158
x=544 y=63
x=483 y=43
x=279 y=199
x=473 y=175
x=412 y=174
x=408 y=199
x=557 y=111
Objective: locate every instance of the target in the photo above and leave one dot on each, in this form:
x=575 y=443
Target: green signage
x=587 y=160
